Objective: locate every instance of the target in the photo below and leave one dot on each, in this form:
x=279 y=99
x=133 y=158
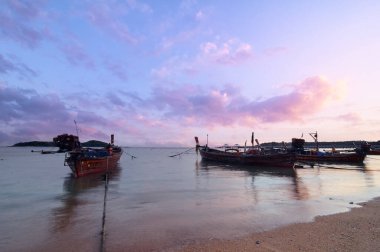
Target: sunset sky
x=158 y=73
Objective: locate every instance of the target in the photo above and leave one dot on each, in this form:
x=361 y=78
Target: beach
x=356 y=230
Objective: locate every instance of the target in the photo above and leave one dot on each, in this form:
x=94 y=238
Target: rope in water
x=183 y=152
x=130 y=155
x=103 y=232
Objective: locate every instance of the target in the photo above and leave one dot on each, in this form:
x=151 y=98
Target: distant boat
x=253 y=156
x=45 y=151
x=356 y=155
x=48 y=152
x=85 y=161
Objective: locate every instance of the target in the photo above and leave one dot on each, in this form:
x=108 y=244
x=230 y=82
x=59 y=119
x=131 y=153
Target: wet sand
x=356 y=230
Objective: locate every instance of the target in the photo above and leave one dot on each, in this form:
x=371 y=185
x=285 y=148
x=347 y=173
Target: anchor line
x=130 y=155
x=103 y=232
x=182 y=152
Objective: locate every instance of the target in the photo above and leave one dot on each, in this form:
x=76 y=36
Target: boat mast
x=76 y=127
x=253 y=138
x=315 y=137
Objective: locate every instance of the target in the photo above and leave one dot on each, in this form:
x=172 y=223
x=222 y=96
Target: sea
x=154 y=202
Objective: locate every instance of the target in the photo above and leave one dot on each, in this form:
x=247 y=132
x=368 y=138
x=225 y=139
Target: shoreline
x=355 y=230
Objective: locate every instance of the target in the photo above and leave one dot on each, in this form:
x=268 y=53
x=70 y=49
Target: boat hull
x=332 y=158
x=82 y=166
x=285 y=160
x=373 y=152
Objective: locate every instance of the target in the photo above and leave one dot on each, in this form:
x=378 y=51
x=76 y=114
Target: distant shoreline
x=91 y=143
x=95 y=143
x=34 y=144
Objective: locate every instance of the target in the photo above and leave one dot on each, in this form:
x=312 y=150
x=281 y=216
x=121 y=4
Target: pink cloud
x=181 y=37
x=28 y=115
x=161 y=73
x=228 y=53
x=350 y=117
x=25 y=104
x=228 y=106
x=173 y=68
x=193 y=104
x=306 y=98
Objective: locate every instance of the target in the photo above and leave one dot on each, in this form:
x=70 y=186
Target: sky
x=158 y=73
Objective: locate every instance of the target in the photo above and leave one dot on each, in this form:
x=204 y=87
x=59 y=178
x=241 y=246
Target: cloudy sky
x=158 y=73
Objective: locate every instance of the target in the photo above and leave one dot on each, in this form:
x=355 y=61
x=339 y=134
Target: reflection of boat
x=84 y=161
x=75 y=190
x=296 y=186
x=251 y=156
x=315 y=155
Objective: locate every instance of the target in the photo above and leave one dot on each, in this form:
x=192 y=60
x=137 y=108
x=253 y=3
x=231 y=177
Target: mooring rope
x=182 y=152
x=103 y=232
x=130 y=155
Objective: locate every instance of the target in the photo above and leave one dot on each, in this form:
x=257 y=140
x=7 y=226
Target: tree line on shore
x=91 y=143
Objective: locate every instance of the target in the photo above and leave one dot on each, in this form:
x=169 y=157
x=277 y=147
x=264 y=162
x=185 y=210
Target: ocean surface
x=157 y=202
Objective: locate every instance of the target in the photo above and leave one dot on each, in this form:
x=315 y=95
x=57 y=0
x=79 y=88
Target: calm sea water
x=155 y=202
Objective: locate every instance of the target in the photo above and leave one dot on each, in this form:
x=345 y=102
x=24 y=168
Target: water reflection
x=73 y=188
x=296 y=188
x=207 y=166
x=331 y=165
x=371 y=169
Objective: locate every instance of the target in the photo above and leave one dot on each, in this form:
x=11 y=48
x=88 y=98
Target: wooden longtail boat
x=356 y=155
x=251 y=156
x=331 y=157
x=85 y=161
x=369 y=150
